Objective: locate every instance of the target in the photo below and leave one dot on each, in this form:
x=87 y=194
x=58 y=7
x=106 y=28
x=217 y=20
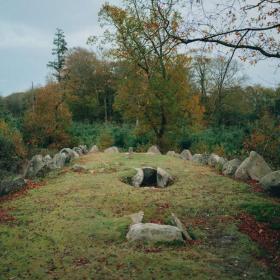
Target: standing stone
x=138 y=178
x=230 y=167
x=253 y=167
x=163 y=178
x=186 y=154
x=154 y=150
x=94 y=149
x=137 y=218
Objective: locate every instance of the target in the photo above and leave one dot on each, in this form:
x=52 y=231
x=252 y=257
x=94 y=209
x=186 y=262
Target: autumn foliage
x=48 y=119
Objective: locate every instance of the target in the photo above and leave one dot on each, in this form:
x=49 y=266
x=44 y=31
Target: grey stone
x=59 y=161
x=78 y=150
x=173 y=154
x=200 y=159
x=154 y=233
x=271 y=182
x=253 y=167
x=180 y=226
x=213 y=160
x=154 y=150
x=12 y=185
x=70 y=154
x=138 y=178
x=112 y=150
x=186 y=154
x=137 y=218
x=230 y=167
x=163 y=178
x=36 y=167
x=47 y=159
x=94 y=149
x=84 y=149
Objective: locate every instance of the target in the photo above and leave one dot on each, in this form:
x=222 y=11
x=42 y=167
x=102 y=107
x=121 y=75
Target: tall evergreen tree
x=59 y=51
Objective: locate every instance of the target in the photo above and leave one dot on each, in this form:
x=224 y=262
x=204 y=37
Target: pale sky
x=27 y=28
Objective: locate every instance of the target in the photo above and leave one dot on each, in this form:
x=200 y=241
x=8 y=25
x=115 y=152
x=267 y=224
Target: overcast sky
x=27 y=28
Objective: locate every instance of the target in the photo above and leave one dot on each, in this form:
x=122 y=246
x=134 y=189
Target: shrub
x=105 y=140
x=225 y=141
x=46 y=125
x=12 y=149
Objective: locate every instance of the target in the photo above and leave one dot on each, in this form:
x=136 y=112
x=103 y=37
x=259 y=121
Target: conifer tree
x=59 y=51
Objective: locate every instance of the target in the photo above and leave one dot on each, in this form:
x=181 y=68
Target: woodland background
x=146 y=89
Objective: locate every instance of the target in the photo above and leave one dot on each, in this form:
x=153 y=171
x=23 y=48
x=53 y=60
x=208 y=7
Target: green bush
x=229 y=141
x=123 y=135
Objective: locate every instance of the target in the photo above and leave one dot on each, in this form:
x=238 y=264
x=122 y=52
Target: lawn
x=74 y=225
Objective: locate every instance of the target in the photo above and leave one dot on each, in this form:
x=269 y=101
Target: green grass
x=265 y=212
x=76 y=217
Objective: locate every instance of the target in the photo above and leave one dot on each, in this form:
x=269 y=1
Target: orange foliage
x=15 y=137
x=47 y=121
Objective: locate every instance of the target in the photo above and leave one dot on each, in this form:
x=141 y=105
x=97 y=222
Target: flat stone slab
x=154 y=233
x=151 y=232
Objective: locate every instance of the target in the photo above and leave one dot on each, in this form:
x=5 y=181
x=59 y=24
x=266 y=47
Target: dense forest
x=143 y=89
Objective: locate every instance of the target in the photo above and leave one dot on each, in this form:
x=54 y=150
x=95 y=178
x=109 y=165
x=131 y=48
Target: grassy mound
x=74 y=226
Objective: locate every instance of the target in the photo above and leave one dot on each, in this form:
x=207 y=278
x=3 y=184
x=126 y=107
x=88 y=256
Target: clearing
x=74 y=225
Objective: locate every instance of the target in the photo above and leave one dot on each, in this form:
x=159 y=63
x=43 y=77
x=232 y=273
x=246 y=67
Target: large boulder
x=84 y=149
x=13 y=185
x=230 y=167
x=271 y=182
x=36 y=167
x=163 y=178
x=200 y=159
x=112 y=150
x=70 y=154
x=186 y=154
x=154 y=150
x=154 y=233
x=59 y=161
x=253 y=167
x=213 y=160
x=216 y=161
x=94 y=149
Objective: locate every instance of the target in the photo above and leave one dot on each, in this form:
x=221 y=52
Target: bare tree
x=232 y=24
